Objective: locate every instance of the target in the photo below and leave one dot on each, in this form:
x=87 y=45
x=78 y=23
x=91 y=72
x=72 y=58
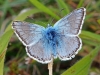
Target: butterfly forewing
x=28 y=33
x=72 y=23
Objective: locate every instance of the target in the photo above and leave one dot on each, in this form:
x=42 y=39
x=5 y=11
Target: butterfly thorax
x=51 y=38
x=50 y=34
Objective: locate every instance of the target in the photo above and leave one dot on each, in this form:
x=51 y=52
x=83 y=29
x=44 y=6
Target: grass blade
x=80 y=3
x=24 y=15
x=82 y=66
x=44 y=8
x=4 y=39
x=63 y=5
x=1 y=66
x=3 y=46
x=90 y=35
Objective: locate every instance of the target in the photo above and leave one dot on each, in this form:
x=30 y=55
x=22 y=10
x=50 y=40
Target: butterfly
x=60 y=40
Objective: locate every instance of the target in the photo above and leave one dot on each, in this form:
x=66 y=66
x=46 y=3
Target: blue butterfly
x=60 y=40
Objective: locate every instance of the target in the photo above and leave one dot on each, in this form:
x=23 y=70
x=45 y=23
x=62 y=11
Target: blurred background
x=42 y=12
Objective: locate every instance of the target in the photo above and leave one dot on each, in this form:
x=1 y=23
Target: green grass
x=90 y=34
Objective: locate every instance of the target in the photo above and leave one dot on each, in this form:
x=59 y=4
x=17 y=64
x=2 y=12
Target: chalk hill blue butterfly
x=60 y=40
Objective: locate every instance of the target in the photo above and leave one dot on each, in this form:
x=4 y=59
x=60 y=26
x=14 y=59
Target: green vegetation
x=13 y=58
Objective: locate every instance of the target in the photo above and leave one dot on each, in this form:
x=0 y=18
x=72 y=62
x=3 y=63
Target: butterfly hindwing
x=68 y=47
x=28 y=33
x=40 y=51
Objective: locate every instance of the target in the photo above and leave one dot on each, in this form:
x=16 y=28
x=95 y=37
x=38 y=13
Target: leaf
x=44 y=8
x=82 y=66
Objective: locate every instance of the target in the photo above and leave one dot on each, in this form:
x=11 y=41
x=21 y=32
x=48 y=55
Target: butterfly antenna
x=52 y=19
x=35 y=20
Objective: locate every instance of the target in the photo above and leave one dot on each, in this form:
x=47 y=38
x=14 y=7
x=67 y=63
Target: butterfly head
x=49 y=25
